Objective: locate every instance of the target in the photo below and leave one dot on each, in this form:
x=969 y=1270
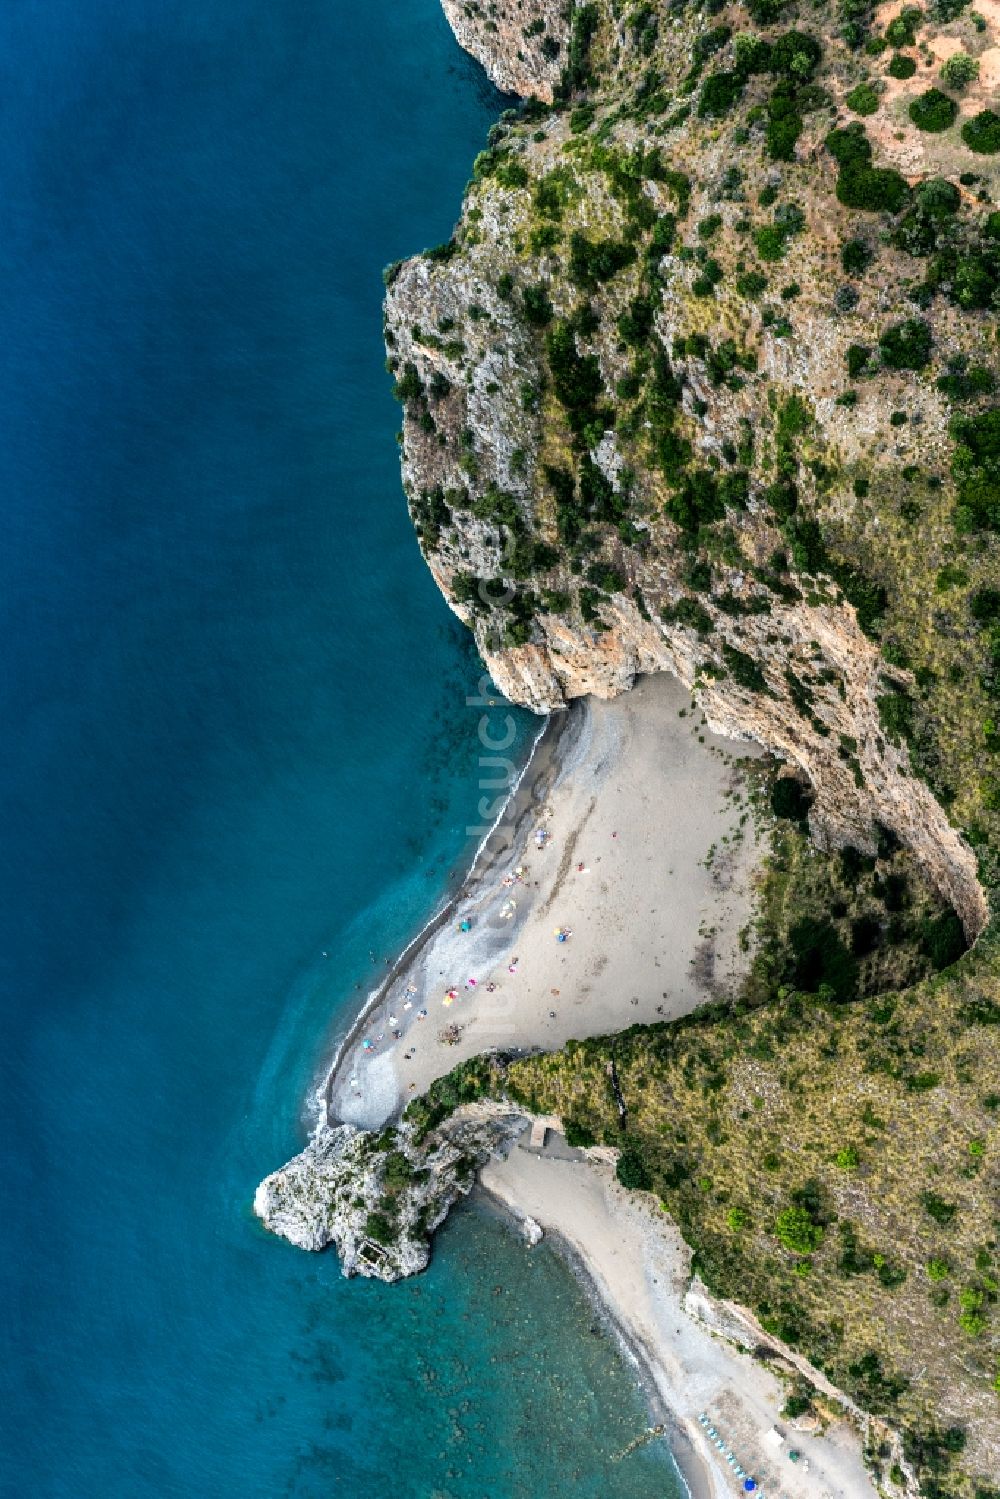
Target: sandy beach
x=615 y=890
x=639 y=1269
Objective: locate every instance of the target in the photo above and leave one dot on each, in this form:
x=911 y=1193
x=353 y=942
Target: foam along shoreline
x=613 y=891
x=533 y=781
x=526 y=795
x=633 y=1260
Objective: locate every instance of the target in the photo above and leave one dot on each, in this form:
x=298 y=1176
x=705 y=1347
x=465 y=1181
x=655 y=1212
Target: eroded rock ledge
x=378 y=1198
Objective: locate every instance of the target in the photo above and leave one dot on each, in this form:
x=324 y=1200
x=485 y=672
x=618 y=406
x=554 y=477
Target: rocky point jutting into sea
x=703 y=383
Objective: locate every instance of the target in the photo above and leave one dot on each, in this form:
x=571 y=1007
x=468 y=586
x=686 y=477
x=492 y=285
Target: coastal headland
x=701 y=390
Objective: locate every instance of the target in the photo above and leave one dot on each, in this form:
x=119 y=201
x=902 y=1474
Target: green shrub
x=689 y=612
x=581 y=118
x=707 y=43
x=795 y=54
x=972 y=1322
x=906 y=345
x=976 y=467
x=743 y=669
x=901 y=67
x=632 y=1170
x=984 y=605
x=538 y=309
x=858 y=356
x=959 y=70
x=895 y=714
x=855 y=256
x=821 y=962
x=576 y=74
x=602 y=575
x=511 y=174
x=711 y=274
x=942 y=1212
x=752 y=54
x=770 y=243
x=902 y=31
x=719 y=93
x=796 y=1405
x=790 y=799
x=751 y=285
x=580 y=1136
x=873 y=189
x=380 y=1228
x=863 y=100
x=938 y=199
x=942 y=940
x=796 y=1230
x=966 y=384
x=576 y=378
x=784 y=123
x=982 y=133
x=697 y=501
x=933 y=111
x=636 y=322
x=849 y=146
x=594 y=261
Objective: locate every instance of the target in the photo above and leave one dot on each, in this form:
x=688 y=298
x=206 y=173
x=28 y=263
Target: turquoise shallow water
x=235 y=737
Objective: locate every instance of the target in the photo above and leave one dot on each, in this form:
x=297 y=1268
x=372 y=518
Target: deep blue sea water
x=234 y=736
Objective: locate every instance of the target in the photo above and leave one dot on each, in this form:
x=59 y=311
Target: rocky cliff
x=378 y=1198
x=621 y=455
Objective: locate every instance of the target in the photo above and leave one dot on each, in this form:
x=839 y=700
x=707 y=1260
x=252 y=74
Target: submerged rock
x=532 y=1232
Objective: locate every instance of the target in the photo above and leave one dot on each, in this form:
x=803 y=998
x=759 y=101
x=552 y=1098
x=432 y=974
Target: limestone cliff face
x=782 y=661
x=817 y=645
x=522 y=44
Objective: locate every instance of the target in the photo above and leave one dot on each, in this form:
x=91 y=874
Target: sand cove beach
x=617 y=888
